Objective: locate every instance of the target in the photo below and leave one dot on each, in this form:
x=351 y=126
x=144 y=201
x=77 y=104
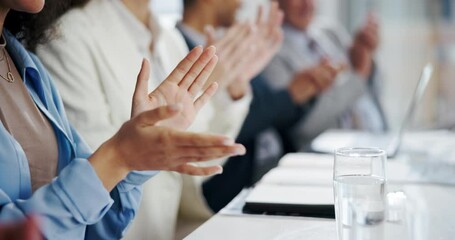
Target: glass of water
x=359 y=177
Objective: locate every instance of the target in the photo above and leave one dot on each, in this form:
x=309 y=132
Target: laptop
x=330 y=140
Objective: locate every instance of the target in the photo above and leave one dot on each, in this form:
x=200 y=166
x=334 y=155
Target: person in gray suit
x=270 y=110
x=352 y=100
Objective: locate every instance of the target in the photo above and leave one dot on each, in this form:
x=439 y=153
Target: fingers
x=369 y=34
x=210 y=35
x=322 y=76
x=206 y=153
x=189 y=169
x=273 y=15
x=245 y=53
x=371 y=39
x=373 y=19
x=226 y=42
x=260 y=15
x=150 y=118
x=329 y=69
x=205 y=97
x=141 y=90
x=203 y=75
x=236 y=39
x=185 y=65
x=200 y=140
x=325 y=76
x=197 y=67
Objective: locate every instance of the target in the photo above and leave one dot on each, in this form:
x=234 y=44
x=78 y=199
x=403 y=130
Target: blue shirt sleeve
x=126 y=197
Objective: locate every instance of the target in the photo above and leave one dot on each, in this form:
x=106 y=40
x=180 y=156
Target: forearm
x=109 y=167
x=332 y=104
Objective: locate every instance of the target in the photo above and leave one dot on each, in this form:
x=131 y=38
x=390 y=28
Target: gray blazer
x=349 y=94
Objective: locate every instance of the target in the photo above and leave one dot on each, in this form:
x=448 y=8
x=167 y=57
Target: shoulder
x=77 y=30
x=84 y=21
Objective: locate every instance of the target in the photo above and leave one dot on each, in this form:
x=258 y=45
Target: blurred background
x=413 y=32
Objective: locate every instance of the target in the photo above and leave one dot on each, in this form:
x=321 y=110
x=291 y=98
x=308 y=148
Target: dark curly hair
x=35 y=29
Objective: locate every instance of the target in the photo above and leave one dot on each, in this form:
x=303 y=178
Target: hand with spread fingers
x=245 y=50
x=182 y=86
x=364 y=45
x=266 y=41
x=152 y=139
x=231 y=50
x=313 y=81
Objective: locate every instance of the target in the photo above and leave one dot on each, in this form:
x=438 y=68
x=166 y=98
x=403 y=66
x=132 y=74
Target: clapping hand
x=152 y=139
x=182 y=87
x=265 y=43
x=246 y=49
x=313 y=81
x=365 y=43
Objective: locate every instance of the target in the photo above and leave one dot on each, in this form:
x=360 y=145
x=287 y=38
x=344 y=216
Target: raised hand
x=245 y=50
x=313 y=81
x=368 y=35
x=182 y=87
x=266 y=42
x=364 y=45
x=231 y=50
x=142 y=145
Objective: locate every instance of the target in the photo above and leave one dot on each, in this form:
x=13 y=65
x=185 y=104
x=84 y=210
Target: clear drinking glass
x=359 y=176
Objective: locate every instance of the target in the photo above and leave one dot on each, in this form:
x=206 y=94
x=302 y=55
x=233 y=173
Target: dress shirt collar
x=25 y=65
x=21 y=58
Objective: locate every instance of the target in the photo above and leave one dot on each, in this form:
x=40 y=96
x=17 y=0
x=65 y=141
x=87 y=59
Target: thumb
x=210 y=35
x=260 y=14
x=152 y=117
x=141 y=90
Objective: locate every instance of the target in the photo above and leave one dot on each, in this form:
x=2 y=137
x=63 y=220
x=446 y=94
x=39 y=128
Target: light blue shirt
x=75 y=205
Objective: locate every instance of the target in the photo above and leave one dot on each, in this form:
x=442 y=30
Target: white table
x=430 y=190
x=432 y=219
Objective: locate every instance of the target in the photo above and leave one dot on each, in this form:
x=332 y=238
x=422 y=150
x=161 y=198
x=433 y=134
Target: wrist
x=110 y=167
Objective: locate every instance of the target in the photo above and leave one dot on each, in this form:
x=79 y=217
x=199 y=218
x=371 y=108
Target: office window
x=169 y=12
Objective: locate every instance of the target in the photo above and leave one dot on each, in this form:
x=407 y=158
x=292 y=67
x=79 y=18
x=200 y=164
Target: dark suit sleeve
x=269 y=108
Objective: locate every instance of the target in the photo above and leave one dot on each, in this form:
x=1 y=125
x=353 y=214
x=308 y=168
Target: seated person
x=97 y=79
x=352 y=101
x=269 y=108
x=46 y=167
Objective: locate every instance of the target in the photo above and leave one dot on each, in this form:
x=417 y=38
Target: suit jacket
x=271 y=110
x=97 y=79
x=348 y=91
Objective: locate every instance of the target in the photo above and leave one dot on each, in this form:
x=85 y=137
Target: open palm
x=182 y=86
x=267 y=41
